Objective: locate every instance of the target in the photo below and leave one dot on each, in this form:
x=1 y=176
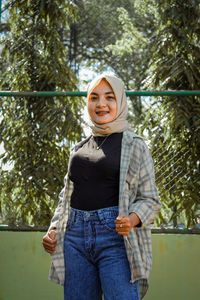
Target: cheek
x=114 y=109
x=91 y=108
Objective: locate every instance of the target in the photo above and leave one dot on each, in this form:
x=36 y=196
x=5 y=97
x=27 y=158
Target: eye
x=110 y=97
x=93 y=98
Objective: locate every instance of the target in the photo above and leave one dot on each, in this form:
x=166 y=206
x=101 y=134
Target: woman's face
x=102 y=105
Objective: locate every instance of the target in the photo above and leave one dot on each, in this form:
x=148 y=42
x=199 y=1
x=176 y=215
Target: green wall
x=24 y=268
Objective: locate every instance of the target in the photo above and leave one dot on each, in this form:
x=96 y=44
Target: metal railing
x=166 y=162
x=83 y=93
x=38 y=228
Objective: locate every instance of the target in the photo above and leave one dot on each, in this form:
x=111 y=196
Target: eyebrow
x=107 y=93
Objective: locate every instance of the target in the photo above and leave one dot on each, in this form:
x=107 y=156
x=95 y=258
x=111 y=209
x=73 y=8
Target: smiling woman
x=99 y=236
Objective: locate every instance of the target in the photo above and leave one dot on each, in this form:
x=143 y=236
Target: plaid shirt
x=137 y=193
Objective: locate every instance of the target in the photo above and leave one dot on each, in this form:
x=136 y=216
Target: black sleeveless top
x=95 y=173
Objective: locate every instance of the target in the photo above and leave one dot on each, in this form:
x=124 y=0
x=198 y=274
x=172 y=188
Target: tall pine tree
x=36 y=132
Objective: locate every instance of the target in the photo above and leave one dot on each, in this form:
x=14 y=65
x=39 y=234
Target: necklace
x=98 y=147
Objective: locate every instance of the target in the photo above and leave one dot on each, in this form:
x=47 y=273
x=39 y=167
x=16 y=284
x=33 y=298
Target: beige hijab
x=120 y=123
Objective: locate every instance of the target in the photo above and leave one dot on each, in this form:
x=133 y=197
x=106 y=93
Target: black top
x=95 y=173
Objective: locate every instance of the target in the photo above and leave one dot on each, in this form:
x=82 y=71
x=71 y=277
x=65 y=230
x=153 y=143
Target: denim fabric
x=95 y=258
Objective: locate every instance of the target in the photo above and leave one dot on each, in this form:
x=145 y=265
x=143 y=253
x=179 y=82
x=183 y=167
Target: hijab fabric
x=120 y=123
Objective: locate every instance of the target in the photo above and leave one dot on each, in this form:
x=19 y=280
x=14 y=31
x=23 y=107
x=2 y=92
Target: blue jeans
x=95 y=258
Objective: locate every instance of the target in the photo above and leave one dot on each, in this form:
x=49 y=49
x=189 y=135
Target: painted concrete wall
x=24 y=268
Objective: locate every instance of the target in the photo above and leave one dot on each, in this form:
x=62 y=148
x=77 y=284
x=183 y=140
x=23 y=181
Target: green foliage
x=154 y=44
x=36 y=132
x=113 y=35
x=151 y=44
x=175 y=64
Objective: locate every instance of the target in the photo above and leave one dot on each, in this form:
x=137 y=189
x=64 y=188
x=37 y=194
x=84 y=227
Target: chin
x=102 y=122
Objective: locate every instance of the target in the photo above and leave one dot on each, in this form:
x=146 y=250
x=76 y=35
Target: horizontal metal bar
x=162 y=93
x=82 y=93
x=23 y=228
x=40 y=94
x=175 y=231
x=154 y=230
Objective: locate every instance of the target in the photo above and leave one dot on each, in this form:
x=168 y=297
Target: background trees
x=155 y=45
x=36 y=132
x=150 y=44
x=173 y=124
x=175 y=64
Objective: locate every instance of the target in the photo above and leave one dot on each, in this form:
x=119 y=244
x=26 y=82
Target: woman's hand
x=49 y=241
x=125 y=223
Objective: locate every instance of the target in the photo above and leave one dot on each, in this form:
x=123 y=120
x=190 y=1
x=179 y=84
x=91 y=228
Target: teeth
x=102 y=112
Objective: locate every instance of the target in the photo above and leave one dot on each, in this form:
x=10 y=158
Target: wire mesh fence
x=40 y=49
x=174 y=145
x=29 y=191
x=178 y=181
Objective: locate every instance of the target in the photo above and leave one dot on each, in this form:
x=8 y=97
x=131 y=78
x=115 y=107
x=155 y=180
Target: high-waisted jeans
x=95 y=258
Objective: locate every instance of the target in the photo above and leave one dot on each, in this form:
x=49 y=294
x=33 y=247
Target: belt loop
x=101 y=217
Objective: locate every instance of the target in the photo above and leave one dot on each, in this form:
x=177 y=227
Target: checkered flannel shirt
x=137 y=193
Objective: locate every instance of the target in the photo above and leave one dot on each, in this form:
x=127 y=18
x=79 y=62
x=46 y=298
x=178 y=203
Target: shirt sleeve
x=145 y=202
x=57 y=213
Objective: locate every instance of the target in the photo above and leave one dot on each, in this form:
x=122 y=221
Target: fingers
x=123 y=224
x=123 y=230
x=120 y=217
x=52 y=234
x=50 y=248
x=49 y=241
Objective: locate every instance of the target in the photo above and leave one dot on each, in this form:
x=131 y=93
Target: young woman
x=99 y=236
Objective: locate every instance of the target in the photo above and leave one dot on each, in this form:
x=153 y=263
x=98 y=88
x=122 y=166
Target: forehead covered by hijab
x=117 y=86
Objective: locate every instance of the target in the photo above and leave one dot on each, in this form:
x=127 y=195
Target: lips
x=99 y=113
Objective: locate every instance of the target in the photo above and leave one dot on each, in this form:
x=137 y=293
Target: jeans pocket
x=109 y=224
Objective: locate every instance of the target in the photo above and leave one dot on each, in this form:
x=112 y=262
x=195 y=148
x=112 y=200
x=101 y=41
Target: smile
x=102 y=112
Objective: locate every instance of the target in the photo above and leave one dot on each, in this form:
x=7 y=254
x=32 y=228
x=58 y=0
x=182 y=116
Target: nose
x=101 y=102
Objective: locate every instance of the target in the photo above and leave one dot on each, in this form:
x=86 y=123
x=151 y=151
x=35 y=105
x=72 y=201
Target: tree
x=36 y=132
x=114 y=35
x=175 y=64
x=165 y=53
x=151 y=44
